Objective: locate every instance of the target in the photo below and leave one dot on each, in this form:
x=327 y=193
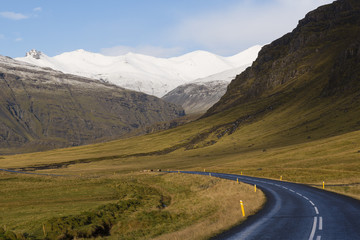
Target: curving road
x=296 y=211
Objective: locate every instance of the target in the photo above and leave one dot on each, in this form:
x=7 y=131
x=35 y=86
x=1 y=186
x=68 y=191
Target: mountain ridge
x=42 y=109
x=303 y=52
x=154 y=76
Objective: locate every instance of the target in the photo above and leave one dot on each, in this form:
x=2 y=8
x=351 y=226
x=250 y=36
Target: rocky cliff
x=321 y=55
x=41 y=109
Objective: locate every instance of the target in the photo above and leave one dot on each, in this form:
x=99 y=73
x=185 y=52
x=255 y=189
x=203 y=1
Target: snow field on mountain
x=151 y=75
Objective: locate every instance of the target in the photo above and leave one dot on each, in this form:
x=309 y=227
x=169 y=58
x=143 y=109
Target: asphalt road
x=296 y=211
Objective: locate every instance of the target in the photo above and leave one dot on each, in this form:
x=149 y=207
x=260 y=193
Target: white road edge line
x=312 y=203
x=306 y=198
x=318 y=238
x=316 y=210
x=320 y=223
x=312 y=234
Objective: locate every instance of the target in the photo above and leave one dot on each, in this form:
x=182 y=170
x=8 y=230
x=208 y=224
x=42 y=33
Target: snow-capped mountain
x=151 y=75
x=199 y=95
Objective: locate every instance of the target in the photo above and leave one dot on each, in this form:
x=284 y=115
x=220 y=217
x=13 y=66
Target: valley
x=291 y=117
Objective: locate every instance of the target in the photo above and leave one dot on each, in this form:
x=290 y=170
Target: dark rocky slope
x=197 y=97
x=42 y=109
x=320 y=57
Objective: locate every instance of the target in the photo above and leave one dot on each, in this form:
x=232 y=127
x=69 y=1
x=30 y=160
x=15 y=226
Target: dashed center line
x=316 y=210
x=312 y=234
x=313 y=230
x=316 y=218
x=320 y=223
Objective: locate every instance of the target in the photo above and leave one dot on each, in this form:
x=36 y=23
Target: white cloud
x=37 y=9
x=145 y=49
x=13 y=15
x=19 y=39
x=227 y=31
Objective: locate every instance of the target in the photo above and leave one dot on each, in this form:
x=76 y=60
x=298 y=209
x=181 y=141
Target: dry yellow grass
x=28 y=202
x=224 y=197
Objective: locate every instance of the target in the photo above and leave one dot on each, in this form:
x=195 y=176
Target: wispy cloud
x=37 y=9
x=226 y=31
x=155 y=51
x=13 y=15
x=19 y=39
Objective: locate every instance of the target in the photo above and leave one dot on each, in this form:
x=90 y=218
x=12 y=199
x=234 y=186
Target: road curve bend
x=296 y=212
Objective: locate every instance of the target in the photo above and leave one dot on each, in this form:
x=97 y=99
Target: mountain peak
x=34 y=53
x=155 y=76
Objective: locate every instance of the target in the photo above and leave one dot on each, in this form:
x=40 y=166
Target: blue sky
x=162 y=28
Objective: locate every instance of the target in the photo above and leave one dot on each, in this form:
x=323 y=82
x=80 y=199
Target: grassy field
x=117 y=206
x=292 y=131
x=279 y=142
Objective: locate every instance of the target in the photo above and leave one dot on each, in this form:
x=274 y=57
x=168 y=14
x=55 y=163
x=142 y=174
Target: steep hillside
x=319 y=58
x=151 y=75
x=42 y=108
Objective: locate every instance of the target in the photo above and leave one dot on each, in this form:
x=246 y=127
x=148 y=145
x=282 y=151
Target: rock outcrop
x=322 y=51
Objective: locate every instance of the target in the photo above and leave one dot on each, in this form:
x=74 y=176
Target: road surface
x=296 y=211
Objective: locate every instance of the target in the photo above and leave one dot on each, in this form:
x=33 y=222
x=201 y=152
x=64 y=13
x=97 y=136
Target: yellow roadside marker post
x=237 y=180
x=204 y=169
x=255 y=187
x=242 y=208
x=280 y=178
x=44 y=230
x=323 y=185
x=241 y=173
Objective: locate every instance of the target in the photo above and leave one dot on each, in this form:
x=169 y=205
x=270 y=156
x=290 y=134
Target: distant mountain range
x=151 y=75
x=41 y=108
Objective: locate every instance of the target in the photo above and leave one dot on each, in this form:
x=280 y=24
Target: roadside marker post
x=280 y=178
x=44 y=230
x=237 y=180
x=210 y=174
x=255 y=187
x=323 y=185
x=242 y=208
x=241 y=173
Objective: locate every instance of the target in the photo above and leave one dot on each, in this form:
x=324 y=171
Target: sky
x=160 y=28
